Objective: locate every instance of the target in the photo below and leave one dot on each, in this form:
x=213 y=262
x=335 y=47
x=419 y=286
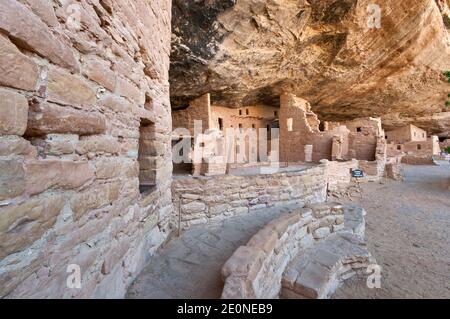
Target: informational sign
x=357 y=173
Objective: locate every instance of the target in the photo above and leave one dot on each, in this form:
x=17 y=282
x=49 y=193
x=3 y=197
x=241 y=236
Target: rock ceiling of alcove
x=247 y=52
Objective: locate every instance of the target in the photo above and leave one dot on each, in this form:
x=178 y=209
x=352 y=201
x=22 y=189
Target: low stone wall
x=256 y=270
x=417 y=160
x=394 y=171
x=205 y=199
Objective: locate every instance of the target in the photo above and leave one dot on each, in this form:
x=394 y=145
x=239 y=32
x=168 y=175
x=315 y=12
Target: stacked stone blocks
x=77 y=78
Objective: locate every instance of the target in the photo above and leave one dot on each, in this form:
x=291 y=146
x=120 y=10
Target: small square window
x=275 y=113
x=399 y=147
x=247 y=112
x=253 y=126
x=240 y=112
x=419 y=147
x=359 y=129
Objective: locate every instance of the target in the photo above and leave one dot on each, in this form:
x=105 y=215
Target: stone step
x=317 y=272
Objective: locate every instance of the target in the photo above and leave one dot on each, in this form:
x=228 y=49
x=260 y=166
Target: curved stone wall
x=256 y=269
x=201 y=200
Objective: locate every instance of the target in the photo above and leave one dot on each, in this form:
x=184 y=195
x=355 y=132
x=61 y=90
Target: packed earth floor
x=408 y=232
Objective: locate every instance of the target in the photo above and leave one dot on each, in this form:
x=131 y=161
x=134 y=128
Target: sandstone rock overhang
x=247 y=52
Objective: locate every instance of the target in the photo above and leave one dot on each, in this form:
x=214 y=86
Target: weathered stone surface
x=151 y=162
x=66 y=88
x=63 y=59
x=49 y=118
x=15 y=145
x=265 y=239
x=98 y=144
x=315 y=273
x=321 y=232
x=16 y=70
x=98 y=197
x=116 y=253
x=151 y=148
x=108 y=168
x=56 y=144
x=218 y=209
x=12 y=179
x=194 y=207
x=17 y=270
x=20 y=225
x=20 y=22
x=246 y=261
x=126 y=89
x=13 y=113
x=45 y=174
x=281 y=224
x=394 y=171
x=43 y=9
x=100 y=72
x=116 y=103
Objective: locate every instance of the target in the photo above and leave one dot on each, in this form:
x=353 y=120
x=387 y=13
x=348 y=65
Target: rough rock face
x=77 y=80
x=249 y=51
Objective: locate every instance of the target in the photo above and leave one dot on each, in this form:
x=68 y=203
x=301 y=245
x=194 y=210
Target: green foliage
x=447 y=74
x=447 y=150
x=446 y=20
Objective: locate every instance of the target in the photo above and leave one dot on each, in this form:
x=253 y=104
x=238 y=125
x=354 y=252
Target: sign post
x=356 y=175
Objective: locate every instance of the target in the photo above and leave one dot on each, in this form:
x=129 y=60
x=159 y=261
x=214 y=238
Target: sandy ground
x=408 y=232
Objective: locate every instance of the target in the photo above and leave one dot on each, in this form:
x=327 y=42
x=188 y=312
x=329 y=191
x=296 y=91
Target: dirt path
x=408 y=232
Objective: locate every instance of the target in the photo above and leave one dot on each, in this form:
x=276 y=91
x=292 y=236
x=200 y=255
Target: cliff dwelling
x=237 y=149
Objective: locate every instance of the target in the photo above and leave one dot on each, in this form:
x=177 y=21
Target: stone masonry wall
x=338 y=175
x=255 y=270
x=415 y=152
x=198 y=110
x=77 y=81
x=363 y=137
x=405 y=134
x=208 y=199
x=305 y=131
